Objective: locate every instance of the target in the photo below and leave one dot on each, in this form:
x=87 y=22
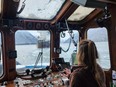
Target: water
x=27 y=54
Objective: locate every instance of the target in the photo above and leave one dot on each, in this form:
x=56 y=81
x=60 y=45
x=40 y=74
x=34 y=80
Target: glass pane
x=1 y=62
x=33 y=49
x=80 y=13
x=100 y=37
x=40 y=9
x=0 y=6
x=67 y=43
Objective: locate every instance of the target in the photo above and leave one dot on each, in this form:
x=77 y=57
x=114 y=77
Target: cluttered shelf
x=52 y=80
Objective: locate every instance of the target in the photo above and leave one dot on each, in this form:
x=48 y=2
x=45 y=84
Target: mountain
x=24 y=37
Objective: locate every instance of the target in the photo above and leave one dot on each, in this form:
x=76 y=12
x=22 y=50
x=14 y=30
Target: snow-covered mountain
x=24 y=37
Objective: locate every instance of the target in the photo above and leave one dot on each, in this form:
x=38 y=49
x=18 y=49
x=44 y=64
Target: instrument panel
x=52 y=80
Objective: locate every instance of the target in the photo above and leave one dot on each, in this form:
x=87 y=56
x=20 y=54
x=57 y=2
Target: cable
x=71 y=39
x=75 y=44
x=62 y=34
x=22 y=7
x=67 y=48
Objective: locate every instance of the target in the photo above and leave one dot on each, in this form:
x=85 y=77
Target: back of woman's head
x=87 y=53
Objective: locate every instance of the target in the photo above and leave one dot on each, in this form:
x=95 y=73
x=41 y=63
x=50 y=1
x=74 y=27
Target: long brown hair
x=87 y=55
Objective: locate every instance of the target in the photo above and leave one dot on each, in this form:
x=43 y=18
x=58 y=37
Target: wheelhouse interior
x=35 y=33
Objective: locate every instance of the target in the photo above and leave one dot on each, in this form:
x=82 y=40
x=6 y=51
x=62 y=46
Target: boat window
x=69 y=46
x=80 y=13
x=33 y=49
x=1 y=62
x=100 y=37
x=39 y=9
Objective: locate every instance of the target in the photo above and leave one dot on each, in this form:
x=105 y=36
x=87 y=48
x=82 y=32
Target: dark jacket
x=82 y=77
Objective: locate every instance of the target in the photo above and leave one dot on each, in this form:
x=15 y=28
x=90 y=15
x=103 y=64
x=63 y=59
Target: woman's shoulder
x=79 y=70
x=83 y=75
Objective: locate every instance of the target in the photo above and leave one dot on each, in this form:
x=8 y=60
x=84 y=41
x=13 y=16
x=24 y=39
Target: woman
x=88 y=72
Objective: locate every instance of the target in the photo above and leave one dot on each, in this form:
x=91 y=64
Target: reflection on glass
x=1 y=62
x=100 y=37
x=40 y=9
x=0 y=6
x=67 y=43
x=113 y=78
x=33 y=49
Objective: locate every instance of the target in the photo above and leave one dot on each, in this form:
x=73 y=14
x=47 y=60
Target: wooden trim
x=70 y=11
x=108 y=1
x=93 y=15
x=90 y=17
x=10 y=8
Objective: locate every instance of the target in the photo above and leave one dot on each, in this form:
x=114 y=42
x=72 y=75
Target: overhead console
x=89 y=3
